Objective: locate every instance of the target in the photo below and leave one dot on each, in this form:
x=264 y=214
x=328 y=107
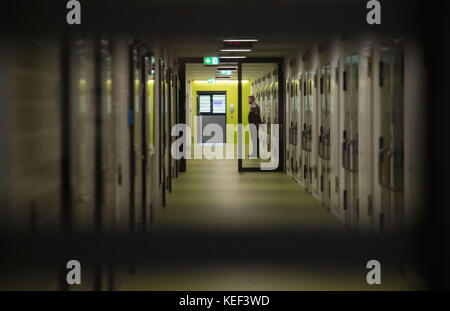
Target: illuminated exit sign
x=211 y=81
x=211 y=60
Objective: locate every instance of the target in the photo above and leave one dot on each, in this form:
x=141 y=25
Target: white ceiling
x=249 y=71
x=267 y=46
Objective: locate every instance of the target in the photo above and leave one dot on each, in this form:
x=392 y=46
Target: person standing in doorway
x=254 y=117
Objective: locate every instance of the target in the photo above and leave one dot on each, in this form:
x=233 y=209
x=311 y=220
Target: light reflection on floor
x=214 y=196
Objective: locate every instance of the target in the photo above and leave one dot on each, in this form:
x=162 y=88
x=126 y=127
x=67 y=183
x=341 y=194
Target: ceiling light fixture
x=221 y=81
x=235 y=50
x=228 y=57
x=228 y=64
x=226 y=72
x=240 y=40
x=232 y=68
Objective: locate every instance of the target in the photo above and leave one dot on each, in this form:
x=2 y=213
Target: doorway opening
x=209 y=102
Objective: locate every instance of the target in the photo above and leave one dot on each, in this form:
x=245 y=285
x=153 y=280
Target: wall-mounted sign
x=219 y=103
x=211 y=60
x=205 y=104
x=211 y=81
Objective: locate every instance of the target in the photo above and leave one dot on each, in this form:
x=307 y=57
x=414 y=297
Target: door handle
x=382 y=169
x=328 y=146
x=344 y=154
x=390 y=158
x=353 y=164
x=348 y=155
x=310 y=140
x=349 y=160
x=320 y=146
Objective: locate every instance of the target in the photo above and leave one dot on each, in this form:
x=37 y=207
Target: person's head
x=251 y=99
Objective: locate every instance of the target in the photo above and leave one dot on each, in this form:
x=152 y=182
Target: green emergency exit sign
x=211 y=60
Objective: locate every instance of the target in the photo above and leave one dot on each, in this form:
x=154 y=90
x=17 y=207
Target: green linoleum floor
x=212 y=197
x=213 y=193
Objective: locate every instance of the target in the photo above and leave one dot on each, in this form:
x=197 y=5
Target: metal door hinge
x=369 y=206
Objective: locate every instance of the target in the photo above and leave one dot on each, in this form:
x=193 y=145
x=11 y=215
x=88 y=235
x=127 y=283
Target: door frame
x=279 y=61
x=211 y=93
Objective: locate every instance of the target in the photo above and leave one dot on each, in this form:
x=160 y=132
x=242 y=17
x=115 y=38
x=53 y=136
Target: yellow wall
x=231 y=87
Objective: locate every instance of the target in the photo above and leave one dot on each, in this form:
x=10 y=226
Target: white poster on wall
x=219 y=103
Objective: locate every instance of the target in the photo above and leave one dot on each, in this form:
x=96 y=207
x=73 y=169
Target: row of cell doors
x=345 y=135
x=148 y=140
x=152 y=103
x=122 y=102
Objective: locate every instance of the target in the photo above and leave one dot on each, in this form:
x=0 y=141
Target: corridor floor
x=261 y=231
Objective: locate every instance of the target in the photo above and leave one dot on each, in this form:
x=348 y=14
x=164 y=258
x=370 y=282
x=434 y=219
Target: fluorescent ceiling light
x=225 y=57
x=235 y=50
x=220 y=81
x=240 y=40
x=226 y=72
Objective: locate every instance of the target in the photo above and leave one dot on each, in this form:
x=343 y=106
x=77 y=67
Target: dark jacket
x=254 y=116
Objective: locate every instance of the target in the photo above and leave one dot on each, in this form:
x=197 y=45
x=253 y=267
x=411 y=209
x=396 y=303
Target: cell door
x=167 y=111
x=164 y=99
x=350 y=141
x=270 y=101
x=151 y=91
x=290 y=155
x=314 y=111
x=145 y=66
x=83 y=135
x=336 y=170
x=307 y=131
x=104 y=154
x=274 y=106
x=174 y=118
x=162 y=175
x=108 y=138
x=267 y=109
x=84 y=143
x=268 y=112
x=325 y=135
x=294 y=121
x=169 y=159
x=293 y=125
x=297 y=100
x=138 y=97
x=263 y=100
x=269 y=92
x=300 y=121
x=275 y=119
x=391 y=139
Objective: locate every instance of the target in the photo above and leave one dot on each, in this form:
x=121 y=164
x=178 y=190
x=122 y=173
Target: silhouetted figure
x=254 y=117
